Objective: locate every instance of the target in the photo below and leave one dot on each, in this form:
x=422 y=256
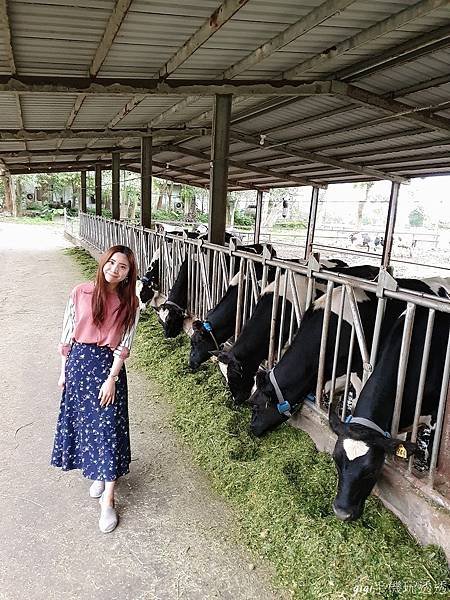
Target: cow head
x=172 y=318
x=202 y=345
x=239 y=382
x=147 y=289
x=265 y=414
x=359 y=456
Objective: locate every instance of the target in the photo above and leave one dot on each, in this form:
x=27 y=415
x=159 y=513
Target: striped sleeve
x=123 y=349
x=65 y=343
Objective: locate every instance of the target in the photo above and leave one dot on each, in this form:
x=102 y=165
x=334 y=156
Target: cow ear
x=224 y=357
x=197 y=325
x=400 y=448
x=335 y=423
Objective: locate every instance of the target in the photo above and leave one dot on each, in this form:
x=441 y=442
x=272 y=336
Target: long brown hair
x=126 y=290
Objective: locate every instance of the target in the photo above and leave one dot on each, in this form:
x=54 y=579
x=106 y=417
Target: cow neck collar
x=283 y=406
x=367 y=423
x=208 y=327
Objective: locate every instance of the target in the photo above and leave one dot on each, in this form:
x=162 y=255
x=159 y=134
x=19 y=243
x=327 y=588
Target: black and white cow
x=363 y=440
x=174 y=310
x=296 y=373
x=252 y=346
x=219 y=322
x=148 y=285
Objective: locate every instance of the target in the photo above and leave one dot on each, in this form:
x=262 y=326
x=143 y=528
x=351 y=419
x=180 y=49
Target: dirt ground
x=174 y=539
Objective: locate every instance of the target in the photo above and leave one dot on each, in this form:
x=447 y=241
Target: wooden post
x=312 y=221
x=98 y=190
x=258 y=215
x=83 y=207
x=146 y=181
x=218 y=186
x=115 y=195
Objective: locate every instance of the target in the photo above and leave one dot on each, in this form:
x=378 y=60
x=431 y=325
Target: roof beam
x=397 y=149
x=67 y=152
x=367 y=35
x=192 y=172
x=5 y=27
x=212 y=24
x=238 y=164
x=431 y=41
x=115 y=21
x=315 y=17
x=400 y=109
x=173 y=87
x=316 y=158
x=51 y=134
x=123 y=112
x=418 y=87
x=318 y=15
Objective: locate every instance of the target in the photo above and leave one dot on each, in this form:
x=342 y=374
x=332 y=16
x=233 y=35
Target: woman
x=92 y=432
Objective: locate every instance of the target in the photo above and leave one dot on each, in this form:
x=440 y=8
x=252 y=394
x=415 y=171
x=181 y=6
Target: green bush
x=243 y=219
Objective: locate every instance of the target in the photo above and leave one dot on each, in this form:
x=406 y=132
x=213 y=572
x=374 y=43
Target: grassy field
x=281 y=490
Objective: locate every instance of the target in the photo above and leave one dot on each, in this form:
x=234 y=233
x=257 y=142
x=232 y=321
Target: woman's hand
x=62 y=380
x=107 y=392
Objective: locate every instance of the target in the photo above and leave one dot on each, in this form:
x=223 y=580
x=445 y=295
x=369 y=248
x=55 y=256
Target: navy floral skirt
x=89 y=437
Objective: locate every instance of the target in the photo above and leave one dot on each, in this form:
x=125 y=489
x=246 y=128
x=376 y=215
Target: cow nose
x=341 y=514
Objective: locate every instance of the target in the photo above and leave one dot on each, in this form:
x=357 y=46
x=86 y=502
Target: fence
x=211 y=268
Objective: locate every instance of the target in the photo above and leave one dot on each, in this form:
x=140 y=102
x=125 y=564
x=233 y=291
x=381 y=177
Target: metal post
x=390 y=224
x=258 y=215
x=83 y=192
x=312 y=221
x=115 y=196
x=98 y=190
x=220 y=142
x=146 y=181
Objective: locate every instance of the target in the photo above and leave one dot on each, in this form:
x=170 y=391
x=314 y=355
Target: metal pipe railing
x=211 y=268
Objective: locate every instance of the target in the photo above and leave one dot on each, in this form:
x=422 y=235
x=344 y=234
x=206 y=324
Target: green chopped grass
x=281 y=490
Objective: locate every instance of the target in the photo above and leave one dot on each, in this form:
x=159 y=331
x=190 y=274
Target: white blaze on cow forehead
x=355 y=448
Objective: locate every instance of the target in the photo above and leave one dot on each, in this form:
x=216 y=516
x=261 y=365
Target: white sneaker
x=97 y=488
x=108 y=518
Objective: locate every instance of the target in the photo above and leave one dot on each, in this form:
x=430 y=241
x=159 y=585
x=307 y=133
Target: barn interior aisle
x=175 y=540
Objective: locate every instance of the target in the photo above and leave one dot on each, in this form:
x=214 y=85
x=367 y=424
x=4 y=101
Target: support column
x=146 y=181
x=258 y=215
x=390 y=225
x=83 y=205
x=218 y=186
x=115 y=192
x=98 y=190
x=312 y=221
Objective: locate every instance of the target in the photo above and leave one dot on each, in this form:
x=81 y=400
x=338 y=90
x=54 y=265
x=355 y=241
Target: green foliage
x=241 y=219
x=167 y=215
x=416 y=217
x=290 y=225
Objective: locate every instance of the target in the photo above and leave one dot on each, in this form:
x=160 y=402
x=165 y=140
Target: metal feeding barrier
x=211 y=269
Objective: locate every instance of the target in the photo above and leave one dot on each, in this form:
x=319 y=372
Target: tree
x=365 y=188
x=416 y=217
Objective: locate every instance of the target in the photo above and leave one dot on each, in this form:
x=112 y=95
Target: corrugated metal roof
x=61 y=38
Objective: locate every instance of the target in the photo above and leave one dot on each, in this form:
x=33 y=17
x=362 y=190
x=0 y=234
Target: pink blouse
x=78 y=324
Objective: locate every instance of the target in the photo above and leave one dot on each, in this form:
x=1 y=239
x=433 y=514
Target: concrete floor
x=173 y=540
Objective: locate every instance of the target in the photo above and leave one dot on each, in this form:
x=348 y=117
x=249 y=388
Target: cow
x=149 y=283
x=219 y=322
x=283 y=389
x=364 y=440
x=252 y=346
x=361 y=238
x=174 y=310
